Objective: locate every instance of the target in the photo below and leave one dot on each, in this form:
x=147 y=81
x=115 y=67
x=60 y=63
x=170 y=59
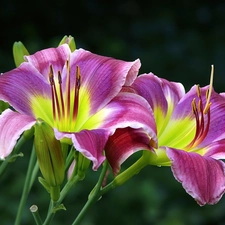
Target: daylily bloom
x=190 y=136
x=77 y=93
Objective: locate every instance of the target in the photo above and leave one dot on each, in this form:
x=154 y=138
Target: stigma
x=65 y=98
x=201 y=112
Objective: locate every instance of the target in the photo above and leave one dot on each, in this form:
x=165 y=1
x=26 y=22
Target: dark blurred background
x=177 y=40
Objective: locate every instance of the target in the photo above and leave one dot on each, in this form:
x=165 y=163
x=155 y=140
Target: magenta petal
x=56 y=57
x=90 y=143
x=102 y=77
x=202 y=177
x=123 y=143
x=20 y=84
x=129 y=110
x=12 y=125
x=158 y=92
x=216 y=149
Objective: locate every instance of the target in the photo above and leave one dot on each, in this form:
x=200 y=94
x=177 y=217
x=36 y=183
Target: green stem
x=93 y=197
x=127 y=174
x=31 y=172
x=35 y=213
x=17 y=147
x=69 y=158
x=97 y=192
x=51 y=213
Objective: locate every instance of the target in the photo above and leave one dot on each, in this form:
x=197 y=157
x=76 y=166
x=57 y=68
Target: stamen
x=52 y=83
x=197 y=122
x=68 y=88
x=55 y=100
x=202 y=124
x=64 y=103
x=198 y=91
x=76 y=93
x=61 y=94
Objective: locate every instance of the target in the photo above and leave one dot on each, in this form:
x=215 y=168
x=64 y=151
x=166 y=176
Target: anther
x=51 y=76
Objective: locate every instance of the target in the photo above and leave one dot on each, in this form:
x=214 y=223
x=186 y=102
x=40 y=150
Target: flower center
x=65 y=103
x=202 y=115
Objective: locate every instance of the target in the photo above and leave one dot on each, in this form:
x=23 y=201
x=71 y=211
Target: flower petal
x=42 y=60
x=161 y=94
x=90 y=143
x=18 y=86
x=12 y=125
x=101 y=78
x=202 y=177
x=123 y=143
x=215 y=150
x=181 y=127
x=26 y=85
x=125 y=110
x=217 y=120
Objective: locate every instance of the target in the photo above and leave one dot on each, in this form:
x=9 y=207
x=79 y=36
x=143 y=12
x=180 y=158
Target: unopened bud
x=70 y=41
x=3 y=106
x=19 y=51
x=50 y=157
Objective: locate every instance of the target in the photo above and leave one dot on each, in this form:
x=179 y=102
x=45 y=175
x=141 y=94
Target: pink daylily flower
x=77 y=93
x=190 y=135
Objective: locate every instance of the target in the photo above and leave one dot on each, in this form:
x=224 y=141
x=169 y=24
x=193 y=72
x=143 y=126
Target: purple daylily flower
x=190 y=135
x=77 y=93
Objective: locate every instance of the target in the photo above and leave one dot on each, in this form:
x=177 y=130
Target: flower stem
x=127 y=174
x=35 y=213
x=97 y=192
x=51 y=214
x=93 y=197
x=53 y=205
x=29 y=180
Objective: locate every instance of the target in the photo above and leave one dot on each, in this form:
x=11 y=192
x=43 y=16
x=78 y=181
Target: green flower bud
x=19 y=51
x=3 y=106
x=70 y=41
x=50 y=158
x=28 y=134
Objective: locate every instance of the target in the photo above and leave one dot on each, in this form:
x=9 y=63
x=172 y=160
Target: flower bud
x=70 y=41
x=3 y=106
x=50 y=158
x=19 y=51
